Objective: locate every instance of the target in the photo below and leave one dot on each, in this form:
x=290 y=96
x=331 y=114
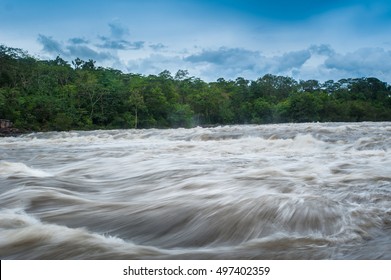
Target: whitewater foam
x=296 y=191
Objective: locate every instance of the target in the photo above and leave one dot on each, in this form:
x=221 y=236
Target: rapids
x=283 y=191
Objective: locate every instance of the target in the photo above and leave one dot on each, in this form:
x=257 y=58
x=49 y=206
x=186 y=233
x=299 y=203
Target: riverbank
x=11 y=132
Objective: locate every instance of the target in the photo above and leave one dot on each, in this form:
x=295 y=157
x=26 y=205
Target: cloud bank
x=321 y=61
x=104 y=48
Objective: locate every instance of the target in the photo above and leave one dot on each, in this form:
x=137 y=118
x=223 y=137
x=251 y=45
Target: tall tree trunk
x=135 y=120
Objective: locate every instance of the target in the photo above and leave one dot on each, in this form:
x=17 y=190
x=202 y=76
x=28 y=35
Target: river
x=281 y=191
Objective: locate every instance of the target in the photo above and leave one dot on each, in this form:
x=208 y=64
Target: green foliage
x=53 y=95
x=136 y=101
x=304 y=107
x=262 y=111
x=281 y=112
x=181 y=116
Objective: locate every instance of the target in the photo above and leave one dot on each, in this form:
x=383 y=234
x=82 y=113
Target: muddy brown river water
x=284 y=191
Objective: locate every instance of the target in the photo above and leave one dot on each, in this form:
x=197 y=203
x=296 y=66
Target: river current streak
x=284 y=191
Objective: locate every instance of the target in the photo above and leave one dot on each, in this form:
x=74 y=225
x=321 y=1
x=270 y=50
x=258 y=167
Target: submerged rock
x=9 y=132
x=7 y=129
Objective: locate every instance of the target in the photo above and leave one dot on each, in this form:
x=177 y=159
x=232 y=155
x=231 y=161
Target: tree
x=181 y=75
x=241 y=101
x=310 y=86
x=273 y=88
x=89 y=93
x=304 y=107
x=88 y=65
x=181 y=115
x=261 y=111
x=136 y=100
x=2 y=105
x=77 y=63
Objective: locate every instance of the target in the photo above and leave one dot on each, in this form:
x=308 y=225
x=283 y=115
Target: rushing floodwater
x=287 y=191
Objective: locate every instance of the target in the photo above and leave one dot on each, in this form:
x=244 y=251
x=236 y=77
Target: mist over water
x=286 y=191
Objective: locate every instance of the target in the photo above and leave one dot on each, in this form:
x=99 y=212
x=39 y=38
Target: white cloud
x=289 y=61
x=233 y=62
x=363 y=62
x=155 y=64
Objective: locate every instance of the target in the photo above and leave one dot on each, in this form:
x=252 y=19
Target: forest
x=43 y=95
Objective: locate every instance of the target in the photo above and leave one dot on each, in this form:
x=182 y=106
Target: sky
x=303 y=39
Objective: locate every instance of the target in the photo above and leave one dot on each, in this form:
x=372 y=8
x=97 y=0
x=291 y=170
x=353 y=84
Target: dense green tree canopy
x=57 y=95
